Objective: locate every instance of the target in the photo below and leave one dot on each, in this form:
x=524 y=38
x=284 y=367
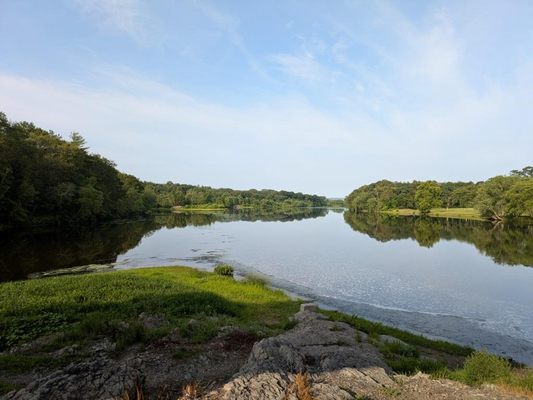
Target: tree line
x=496 y=198
x=47 y=180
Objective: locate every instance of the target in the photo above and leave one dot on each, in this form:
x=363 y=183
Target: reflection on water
x=506 y=243
x=22 y=253
x=433 y=276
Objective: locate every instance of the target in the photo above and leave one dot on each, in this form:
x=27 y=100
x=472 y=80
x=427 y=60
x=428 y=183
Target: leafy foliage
x=483 y=367
x=496 y=198
x=428 y=196
x=46 y=180
x=224 y=270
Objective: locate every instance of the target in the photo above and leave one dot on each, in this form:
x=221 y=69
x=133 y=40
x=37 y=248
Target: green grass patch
x=374 y=329
x=108 y=304
x=411 y=365
x=482 y=367
x=202 y=207
x=456 y=213
x=6 y=387
x=255 y=279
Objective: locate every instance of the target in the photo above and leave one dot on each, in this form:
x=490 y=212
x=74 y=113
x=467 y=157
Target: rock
x=103 y=347
x=175 y=336
x=326 y=350
x=149 y=321
x=308 y=307
x=66 y=351
x=97 y=379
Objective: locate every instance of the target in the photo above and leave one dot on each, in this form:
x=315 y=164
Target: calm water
x=469 y=282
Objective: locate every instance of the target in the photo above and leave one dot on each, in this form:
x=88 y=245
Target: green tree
x=491 y=196
x=519 y=199
x=526 y=172
x=428 y=196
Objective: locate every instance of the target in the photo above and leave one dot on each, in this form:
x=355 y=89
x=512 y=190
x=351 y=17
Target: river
x=469 y=282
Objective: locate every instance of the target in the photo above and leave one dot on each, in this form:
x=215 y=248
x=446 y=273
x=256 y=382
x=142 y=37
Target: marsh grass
x=374 y=329
x=254 y=279
x=84 y=307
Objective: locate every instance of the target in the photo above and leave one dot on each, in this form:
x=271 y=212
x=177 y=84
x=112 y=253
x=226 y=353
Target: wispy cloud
x=128 y=17
x=298 y=66
x=340 y=98
x=228 y=24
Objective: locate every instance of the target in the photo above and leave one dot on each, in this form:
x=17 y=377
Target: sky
x=312 y=96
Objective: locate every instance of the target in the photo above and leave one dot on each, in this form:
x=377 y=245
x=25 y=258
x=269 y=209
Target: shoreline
x=466 y=214
x=130 y=311
x=457 y=330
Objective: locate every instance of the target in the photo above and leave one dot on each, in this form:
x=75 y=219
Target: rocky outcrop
x=339 y=365
x=316 y=360
x=335 y=362
x=100 y=378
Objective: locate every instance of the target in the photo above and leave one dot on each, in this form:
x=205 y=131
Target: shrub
x=399 y=348
x=224 y=270
x=484 y=367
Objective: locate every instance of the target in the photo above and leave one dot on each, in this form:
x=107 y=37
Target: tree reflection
x=508 y=243
x=25 y=252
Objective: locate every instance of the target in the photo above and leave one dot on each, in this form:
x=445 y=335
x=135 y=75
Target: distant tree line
x=496 y=198
x=46 y=180
x=173 y=194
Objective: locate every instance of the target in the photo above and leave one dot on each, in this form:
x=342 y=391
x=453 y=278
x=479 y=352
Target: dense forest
x=498 y=197
x=47 y=180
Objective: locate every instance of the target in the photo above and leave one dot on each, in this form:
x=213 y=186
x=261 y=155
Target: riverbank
x=455 y=213
x=185 y=318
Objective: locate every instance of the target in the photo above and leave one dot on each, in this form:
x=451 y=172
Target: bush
x=224 y=270
x=399 y=348
x=483 y=367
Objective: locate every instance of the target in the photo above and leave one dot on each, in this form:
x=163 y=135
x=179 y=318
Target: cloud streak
x=128 y=17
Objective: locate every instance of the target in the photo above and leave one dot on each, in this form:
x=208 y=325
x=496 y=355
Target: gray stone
x=308 y=307
x=328 y=351
x=149 y=321
x=96 y=379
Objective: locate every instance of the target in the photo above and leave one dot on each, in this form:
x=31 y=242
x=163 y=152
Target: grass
x=6 y=387
x=77 y=308
x=202 y=207
x=482 y=367
x=456 y=213
x=374 y=329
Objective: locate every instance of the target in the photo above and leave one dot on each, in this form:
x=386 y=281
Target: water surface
x=466 y=281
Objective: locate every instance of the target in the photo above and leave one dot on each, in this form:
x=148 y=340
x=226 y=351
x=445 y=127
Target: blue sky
x=312 y=96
